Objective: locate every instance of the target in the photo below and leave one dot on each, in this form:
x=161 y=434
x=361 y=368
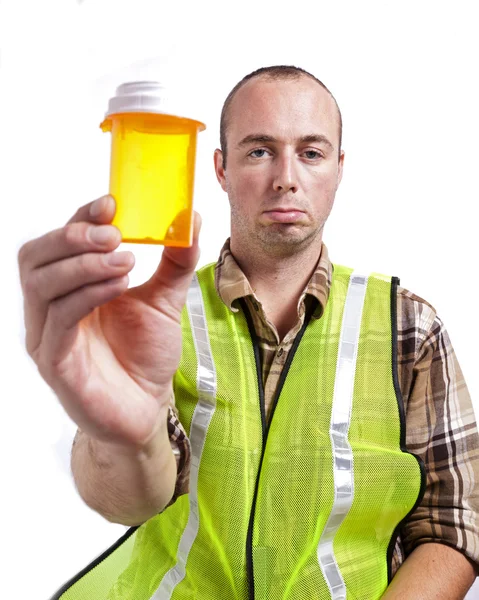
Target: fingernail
x=102 y=234
x=119 y=259
x=98 y=206
x=197 y=223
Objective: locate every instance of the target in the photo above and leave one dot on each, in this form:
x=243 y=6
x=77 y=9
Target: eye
x=312 y=154
x=259 y=153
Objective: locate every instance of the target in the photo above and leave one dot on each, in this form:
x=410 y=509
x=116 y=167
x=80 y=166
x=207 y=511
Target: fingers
x=65 y=276
x=73 y=277
x=167 y=288
x=99 y=211
x=67 y=259
x=83 y=233
x=177 y=261
x=64 y=314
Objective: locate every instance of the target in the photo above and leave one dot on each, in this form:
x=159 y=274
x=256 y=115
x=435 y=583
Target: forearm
x=432 y=572
x=124 y=485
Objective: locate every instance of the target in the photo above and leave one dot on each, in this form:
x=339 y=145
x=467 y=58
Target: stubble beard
x=278 y=240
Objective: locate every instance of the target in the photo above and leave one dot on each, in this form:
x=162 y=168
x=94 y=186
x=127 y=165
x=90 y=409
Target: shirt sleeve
x=441 y=429
x=180 y=445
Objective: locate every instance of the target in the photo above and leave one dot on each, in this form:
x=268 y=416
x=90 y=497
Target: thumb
x=171 y=280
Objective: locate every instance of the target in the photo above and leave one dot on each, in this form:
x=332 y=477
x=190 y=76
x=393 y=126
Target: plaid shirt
x=440 y=424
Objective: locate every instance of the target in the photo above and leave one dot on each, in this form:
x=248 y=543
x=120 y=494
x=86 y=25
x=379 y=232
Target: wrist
x=154 y=445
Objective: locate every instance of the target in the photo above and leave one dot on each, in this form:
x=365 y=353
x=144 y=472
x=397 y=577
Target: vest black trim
x=282 y=379
x=94 y=563
x=402 y=419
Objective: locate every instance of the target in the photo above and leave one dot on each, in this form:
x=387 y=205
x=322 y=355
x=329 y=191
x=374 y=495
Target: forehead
x=284 y=109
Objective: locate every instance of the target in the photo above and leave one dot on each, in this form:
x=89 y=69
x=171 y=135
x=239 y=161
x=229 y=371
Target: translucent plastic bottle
x=152 y=165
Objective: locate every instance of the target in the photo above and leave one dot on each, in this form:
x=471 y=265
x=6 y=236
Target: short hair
x=278 y=72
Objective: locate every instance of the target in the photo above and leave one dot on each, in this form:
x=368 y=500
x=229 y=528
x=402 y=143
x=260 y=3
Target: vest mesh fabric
x=296 y=487
x=102 y=574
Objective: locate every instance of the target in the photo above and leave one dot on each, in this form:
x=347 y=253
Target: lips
x=284 y=215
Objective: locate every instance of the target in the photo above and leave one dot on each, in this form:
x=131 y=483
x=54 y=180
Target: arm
x=440 y=429
x=432 y=572
x=110 y=354
x=103 y=473
x=125 y=484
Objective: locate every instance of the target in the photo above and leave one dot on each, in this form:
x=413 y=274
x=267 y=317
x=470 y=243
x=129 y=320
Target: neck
x=278 y=281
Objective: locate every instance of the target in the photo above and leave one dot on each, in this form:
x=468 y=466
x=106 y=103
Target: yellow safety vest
x=306 y=507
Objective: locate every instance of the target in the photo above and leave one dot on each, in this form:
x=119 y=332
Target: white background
x=405 y=76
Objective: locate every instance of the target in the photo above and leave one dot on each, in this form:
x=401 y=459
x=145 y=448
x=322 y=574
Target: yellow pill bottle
x=152 y=165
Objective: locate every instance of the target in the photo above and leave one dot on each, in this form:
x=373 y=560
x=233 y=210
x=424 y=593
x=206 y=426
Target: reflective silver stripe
x=205 y=408
x=340 y=419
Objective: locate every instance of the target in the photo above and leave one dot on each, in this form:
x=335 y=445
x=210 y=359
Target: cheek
x=325 y=182
x=245 y=186
x=321 y=190
x=250 y=179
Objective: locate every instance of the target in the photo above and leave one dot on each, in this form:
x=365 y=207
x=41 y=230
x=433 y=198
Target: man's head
x=280 y=149
x=280 y=72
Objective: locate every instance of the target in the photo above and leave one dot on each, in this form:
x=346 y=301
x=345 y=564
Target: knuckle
x=79 y=214
x=33 y=347
x=44 y=368
x=74 y=234
x=30 y=284
x=23 y=253
x=38 y=286
x=84 y=265
x=26 y=251
x=59 y=314
x=29 y=346
x=70 y=234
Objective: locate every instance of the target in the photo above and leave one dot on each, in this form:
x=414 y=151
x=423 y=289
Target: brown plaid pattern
x=440 y=423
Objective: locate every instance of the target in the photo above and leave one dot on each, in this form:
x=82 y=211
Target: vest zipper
x=264 y=425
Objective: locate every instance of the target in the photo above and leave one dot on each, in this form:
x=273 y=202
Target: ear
x=219 y=170
x=340 y=168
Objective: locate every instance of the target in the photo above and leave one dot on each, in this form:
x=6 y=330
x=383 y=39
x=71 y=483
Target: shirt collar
x=231 y=283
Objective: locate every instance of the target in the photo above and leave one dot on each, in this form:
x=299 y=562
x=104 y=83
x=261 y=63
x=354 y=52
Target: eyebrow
x=260 y=138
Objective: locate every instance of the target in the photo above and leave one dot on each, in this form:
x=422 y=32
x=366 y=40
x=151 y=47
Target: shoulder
x=417 y=319
x=415 y=308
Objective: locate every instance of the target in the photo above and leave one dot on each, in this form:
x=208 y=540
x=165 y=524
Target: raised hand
x=107 y=351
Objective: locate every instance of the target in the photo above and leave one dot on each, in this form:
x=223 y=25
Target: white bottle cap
x=147 y=97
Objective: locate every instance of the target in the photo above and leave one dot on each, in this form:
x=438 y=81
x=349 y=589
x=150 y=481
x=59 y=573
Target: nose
x=285 y=177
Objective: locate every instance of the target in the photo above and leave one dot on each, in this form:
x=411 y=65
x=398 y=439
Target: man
x=299 y=482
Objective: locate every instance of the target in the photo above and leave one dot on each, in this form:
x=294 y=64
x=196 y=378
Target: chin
x=287 y=237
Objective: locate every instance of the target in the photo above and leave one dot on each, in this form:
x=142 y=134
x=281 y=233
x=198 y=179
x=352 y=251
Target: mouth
x=284 y=215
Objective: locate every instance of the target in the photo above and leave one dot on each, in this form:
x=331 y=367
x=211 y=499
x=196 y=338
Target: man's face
x=282 y=168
